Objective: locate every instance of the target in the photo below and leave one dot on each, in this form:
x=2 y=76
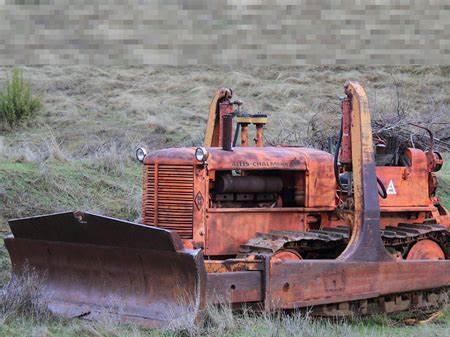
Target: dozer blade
x=95 y=265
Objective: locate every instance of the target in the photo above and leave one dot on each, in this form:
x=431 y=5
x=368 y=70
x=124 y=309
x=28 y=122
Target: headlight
x=140 y=154
x=201 y=154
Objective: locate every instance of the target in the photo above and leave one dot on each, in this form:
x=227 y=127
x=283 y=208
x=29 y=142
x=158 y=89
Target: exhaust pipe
x=227 y=132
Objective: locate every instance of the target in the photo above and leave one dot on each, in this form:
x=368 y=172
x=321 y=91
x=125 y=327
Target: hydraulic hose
x=336 y=157
x=381 y=191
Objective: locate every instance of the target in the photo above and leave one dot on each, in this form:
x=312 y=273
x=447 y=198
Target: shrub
x=16 y=101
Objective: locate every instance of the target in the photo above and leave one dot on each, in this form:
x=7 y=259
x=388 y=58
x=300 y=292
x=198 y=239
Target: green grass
x=444 y=183
x=31 y=188
x=236 y=326
x=102 y=186
x=22 y=327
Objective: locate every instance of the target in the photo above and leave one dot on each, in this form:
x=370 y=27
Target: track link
x=330 y=242
x=427 y=300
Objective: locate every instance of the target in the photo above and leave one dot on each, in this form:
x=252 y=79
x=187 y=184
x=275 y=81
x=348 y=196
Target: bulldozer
x=269 y=227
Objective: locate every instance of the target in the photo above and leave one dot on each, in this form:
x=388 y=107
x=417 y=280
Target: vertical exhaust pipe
x=227 y=132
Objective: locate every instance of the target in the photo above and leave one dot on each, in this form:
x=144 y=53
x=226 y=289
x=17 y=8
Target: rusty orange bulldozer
x=271 y=227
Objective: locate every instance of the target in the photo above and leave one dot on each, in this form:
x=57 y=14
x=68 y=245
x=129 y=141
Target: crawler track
x=426 y=300
x=330 y=242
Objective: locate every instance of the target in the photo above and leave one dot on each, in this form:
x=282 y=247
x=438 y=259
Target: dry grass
x=94 y=118
x=89 y=110
x=22 y=297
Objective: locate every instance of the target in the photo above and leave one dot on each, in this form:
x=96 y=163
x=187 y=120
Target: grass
x=264 y=325
x=90 y=110
x=444 y=183
x=32 y=188
x=78 y=154
x=22 y=296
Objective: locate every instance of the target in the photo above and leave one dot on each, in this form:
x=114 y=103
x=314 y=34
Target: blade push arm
x=365 y=243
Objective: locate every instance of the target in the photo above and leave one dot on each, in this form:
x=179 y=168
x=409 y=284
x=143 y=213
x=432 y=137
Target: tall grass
x=16 y=100
x=22 y=297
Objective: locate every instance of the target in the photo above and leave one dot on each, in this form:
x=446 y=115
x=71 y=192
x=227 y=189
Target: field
x=78 y=153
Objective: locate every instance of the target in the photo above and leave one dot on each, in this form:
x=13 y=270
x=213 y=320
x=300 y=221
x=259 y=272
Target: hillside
x=94 y=117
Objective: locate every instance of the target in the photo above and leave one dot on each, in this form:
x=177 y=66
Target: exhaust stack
x=227 y=132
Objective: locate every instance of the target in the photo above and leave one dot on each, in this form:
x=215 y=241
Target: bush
x=16 y=101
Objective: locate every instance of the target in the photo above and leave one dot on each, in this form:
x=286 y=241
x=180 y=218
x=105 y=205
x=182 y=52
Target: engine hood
x=245 y=158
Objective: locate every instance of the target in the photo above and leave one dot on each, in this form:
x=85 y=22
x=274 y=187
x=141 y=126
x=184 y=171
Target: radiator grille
x=168 y=200
x=148 y=197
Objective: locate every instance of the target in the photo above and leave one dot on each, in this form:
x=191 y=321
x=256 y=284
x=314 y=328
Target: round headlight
x=201 y=154
x=140 y=154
